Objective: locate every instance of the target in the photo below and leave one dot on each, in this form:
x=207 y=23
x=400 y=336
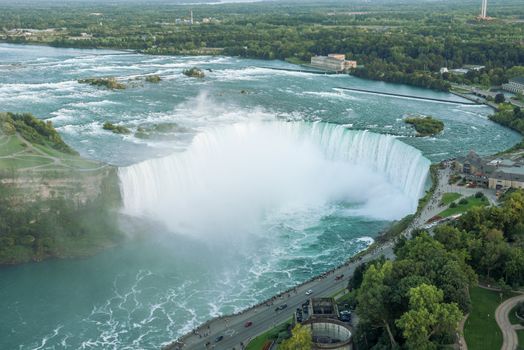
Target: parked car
x=248 y=324
x=309 y=292
x=339 y=277
x=219 y=338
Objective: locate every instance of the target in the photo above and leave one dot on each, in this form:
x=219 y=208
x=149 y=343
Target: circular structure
x=330 y=334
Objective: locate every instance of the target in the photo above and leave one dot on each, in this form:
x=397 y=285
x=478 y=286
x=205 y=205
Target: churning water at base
x=232 y=179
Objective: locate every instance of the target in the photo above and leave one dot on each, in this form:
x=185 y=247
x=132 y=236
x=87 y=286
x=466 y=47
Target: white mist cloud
x=232 y=177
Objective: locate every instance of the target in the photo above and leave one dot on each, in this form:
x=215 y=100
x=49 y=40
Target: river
x=253 y=194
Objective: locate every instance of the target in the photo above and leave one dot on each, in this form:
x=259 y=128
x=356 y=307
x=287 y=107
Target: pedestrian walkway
x=508 y=330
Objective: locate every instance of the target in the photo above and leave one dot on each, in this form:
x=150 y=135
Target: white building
x=334 y=62
x=515 y=85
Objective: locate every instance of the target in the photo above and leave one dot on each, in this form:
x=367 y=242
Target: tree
x=427 y=316
x=499 y=98
x=373 y=298
x=300 y=339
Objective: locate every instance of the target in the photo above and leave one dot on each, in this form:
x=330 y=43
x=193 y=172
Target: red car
x=248 y=324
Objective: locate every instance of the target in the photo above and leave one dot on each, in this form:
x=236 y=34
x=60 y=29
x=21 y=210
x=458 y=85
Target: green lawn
x=520 y=334
x=10 y=145
x=272 y=334
x=449 y=197
x=461 y=208
x=481 y=330
x=26 y=157
x=512 y=318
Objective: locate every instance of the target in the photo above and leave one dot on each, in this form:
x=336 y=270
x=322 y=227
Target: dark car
x=281 y=307
x=219 y=338
x=339 y=277
x=248 y=324
x=345 y=316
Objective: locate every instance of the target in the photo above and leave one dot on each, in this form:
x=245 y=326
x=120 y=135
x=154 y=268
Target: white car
x=309 y=292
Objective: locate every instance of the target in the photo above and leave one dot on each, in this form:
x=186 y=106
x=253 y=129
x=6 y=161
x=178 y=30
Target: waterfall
x=231 y=176
x=404 y=165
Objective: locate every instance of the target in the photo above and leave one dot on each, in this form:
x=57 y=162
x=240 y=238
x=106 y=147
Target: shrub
x=453 y=205
x=117 y=129
x=426 y=126
x=153 y=79
x=520 y=309
x=463 y=201
x=500 y=98
x=34 y=130
x=194 y=72
x=110 y=83
x=479 y=195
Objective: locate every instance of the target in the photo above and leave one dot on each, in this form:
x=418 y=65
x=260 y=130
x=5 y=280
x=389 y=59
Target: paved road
x=265 y=317
x=508 y=330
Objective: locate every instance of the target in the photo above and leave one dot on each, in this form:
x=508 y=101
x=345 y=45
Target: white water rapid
x=231 y=178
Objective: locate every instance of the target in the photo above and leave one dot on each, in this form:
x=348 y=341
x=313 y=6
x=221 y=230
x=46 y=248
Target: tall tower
x=484 y=9
x=191 y=20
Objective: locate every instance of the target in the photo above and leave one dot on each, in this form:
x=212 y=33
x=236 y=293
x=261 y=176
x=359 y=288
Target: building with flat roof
x=507 y=177
x=495 y=173
x=323 y=307
x=515 y=85
x=333 y=62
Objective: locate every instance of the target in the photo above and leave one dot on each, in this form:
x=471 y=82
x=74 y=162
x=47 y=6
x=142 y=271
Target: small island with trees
x=109 y=83
x=194 y=72
x=425 y=126
x=153 y=78
x=117 y=129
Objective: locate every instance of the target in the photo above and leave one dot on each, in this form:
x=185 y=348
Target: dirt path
x=54 y=162
x=508 y=330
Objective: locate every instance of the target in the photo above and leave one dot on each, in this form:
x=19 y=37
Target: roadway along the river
x=265 y=317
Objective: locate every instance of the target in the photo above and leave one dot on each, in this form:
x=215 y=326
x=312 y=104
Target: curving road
x=508 y=330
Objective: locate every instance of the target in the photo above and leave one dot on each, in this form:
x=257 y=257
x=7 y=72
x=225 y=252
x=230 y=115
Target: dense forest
x=512 y=117
x=417 y=300
x=405 y=43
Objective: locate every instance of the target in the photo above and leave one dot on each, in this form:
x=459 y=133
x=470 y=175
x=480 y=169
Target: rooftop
x=518 y=80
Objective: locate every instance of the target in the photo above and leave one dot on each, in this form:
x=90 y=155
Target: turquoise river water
x=253 y=193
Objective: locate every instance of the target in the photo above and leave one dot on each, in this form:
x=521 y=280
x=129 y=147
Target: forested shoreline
x=417 y=300
x=406 y=43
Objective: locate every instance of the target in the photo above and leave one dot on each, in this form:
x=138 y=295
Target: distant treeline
x=403 y=43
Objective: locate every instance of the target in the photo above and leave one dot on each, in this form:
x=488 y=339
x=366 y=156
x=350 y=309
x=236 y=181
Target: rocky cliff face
x=53 y=203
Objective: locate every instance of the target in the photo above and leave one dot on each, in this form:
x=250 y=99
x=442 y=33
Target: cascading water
x=231 y=178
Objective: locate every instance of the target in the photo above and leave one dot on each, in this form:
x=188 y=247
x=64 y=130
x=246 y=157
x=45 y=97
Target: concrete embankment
x=311 y=71
x=478 y=100
x=409 y=96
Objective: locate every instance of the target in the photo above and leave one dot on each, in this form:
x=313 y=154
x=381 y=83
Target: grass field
x=520 y=334
x=461 y=208
x=449 y=197
x=481 y=330
x=17 y=154
x=272 y=334
x=513 y=318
